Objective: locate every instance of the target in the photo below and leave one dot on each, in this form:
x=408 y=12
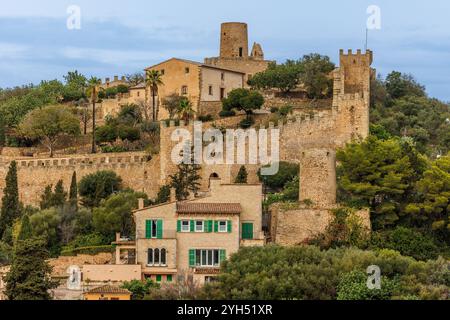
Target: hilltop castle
x=310 y=137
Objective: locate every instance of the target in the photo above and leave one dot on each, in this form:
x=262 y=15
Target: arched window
x=163 y=257
x=150 y=257
x=156 y=260
x=214 y=175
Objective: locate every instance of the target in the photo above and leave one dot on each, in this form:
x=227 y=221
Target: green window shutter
x=159 y=229
x=169 y=278
x=158 y=278
x=192 y=258
x=192 y=225
x=222 y=255
x=247 y=231
x=216 y=226
x=209 y=226
x=229 y=225
x=178 y=225
x=148 y=229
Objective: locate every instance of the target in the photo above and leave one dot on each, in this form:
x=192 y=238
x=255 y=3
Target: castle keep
x=310 y=137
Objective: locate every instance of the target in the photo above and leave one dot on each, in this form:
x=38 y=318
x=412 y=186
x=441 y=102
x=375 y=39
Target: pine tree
x=242 y=175
x=29 y=276
x=186 y=180
x=73 y=192
x=25 y=228
x=10 y=202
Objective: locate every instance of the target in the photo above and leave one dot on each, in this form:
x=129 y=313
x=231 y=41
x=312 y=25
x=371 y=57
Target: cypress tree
x=46 y=198
x=10 y=202
x=59 y=197
x=242 y=175
x=73 y=191
x=25 y=228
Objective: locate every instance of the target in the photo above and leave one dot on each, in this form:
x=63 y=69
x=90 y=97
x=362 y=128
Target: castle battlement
x=80 y=160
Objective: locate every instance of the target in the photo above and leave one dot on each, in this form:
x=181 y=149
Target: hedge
x=92 y=250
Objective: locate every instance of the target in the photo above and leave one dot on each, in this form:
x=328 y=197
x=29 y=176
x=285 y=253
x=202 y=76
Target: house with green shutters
x=193 y=237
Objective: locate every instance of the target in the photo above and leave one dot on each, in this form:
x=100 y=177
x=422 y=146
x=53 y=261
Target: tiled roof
x=109 y=289
x=197 y=64
x=193 y=207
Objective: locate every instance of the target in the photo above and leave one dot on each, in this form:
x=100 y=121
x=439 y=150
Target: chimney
x=116 y=78
x=123 y=78
x=117 y=236
x=173 y=195
x=107 y=80
x=141 y=203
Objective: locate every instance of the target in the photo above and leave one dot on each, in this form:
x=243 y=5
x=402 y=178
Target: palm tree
x=185 y=110
x=92 y=91
x=153 y=79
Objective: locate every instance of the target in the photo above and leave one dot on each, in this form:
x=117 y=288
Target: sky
x=121 y=37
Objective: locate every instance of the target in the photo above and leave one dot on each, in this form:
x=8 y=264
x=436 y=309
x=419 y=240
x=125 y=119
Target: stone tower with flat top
x=234 y=51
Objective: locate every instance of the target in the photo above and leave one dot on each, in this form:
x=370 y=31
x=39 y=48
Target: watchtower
x=234 y=40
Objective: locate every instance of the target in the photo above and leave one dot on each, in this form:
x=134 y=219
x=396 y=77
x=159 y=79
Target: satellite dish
x=74 y=280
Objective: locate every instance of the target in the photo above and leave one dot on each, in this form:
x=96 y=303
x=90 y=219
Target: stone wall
x=293 y=226
x=137 y=170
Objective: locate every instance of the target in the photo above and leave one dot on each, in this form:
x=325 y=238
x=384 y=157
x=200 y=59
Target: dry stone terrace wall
x=137 y=170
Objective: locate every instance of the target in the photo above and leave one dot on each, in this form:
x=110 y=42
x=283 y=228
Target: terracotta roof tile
x=193 y=207
x=109 y=289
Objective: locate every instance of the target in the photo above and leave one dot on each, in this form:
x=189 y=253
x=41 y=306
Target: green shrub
x=285 y=110
x=353 y=286
x=128 y=133
x=287 y=172
x=274 y=110
x=106 y=133
x=121 y=88
x=205 y=118
x=246 y=123
x=110 y=93
x=114 y=149
x=408 y=242
x=93 y=250
x=226 y=113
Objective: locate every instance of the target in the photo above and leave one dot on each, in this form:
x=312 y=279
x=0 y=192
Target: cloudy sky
x=119 y=37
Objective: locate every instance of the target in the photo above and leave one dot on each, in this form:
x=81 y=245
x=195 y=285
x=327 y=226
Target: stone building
x=234 y=53
x=204 y=85
x=114 y=83
x=193 y=237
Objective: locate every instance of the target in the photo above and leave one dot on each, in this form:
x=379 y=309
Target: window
x=158 y=278
x=210 y=89
x=138 y=93
x=153 y=229
x=240 y=52
x=163 y=72
x=185 y=226
x=156 y=257
x=223 y=226
x=222 y=76
x=169 y=278
x=184 y=90
x=199 y=226
x=186 y=70
x=207 y=257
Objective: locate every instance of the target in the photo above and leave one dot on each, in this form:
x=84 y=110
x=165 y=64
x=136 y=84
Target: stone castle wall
x=137 y=171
